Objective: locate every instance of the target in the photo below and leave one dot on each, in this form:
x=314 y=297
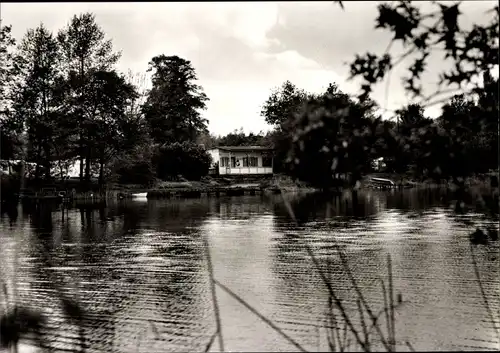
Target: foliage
x=62 y=99
x=470 y=52
x=279 y=110
x=113 y=128
x=331 y=135
x=239 y=138
x=173 y=104
x=38 y=96
x=185 y=158
x=135 y=166
x=19 y=322
x=10 y=129
x=7 y=43
x=85 y=53
x=283 y=103
x=63 y=92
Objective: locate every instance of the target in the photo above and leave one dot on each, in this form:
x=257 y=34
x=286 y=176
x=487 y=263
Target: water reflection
x=138 y=269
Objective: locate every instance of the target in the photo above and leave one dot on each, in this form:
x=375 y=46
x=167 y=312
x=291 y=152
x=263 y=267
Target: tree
x=471 y=51
x=450 y=146
x=172 y=108
x=331 y=135
x=283 y=103
x=407 y=138
x=186 y=159
x=37 y=95
x=207 y=140
x=279 y=110
x=114 y=129
x=10 y=129
x=239 y=138
x=7 y=44
x=467 y=139
x=86 y=51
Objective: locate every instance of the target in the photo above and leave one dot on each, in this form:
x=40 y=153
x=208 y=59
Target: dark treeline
x=63 y=100
x=321 y=136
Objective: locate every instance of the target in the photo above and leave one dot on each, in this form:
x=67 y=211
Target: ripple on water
x=146 y=288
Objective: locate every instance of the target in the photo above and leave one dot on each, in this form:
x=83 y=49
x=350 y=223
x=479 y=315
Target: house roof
x=243 y=148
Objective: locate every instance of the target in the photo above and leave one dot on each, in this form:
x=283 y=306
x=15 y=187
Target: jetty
x=215 y=191
x=382 y=183
x=46 y=194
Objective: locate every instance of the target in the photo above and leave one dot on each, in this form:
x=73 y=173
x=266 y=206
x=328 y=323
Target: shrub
x=186 y=159
x=135 y=167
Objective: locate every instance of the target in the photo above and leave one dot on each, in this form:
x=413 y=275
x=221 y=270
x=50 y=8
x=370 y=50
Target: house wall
x=214 y=153
x=240 y=169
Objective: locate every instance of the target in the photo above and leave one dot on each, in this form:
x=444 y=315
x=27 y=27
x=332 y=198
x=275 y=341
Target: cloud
x=321 y=31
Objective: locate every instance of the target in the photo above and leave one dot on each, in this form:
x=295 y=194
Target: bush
x=139 y=172
x=186 y=159
x=9 y=187
x=135 y=167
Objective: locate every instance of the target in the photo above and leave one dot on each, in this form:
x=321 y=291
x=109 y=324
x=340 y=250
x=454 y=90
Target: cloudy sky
x=241 y=50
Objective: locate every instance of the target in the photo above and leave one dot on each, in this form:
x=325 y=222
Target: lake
x=138 y=269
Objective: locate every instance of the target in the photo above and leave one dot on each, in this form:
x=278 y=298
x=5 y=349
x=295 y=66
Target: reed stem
x=214 y=295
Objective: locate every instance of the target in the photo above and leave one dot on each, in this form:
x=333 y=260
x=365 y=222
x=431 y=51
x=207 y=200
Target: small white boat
x=141 y=195
x=383 y=182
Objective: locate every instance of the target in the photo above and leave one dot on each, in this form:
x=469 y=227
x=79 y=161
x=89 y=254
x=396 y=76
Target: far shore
x=252 y=185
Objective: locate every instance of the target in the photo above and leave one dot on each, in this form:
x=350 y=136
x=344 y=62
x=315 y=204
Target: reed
x=214 y=296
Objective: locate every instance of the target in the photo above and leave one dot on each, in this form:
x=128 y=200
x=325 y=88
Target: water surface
x=139 y=270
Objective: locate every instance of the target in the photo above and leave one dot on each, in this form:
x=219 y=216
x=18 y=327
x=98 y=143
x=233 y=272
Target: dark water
x=139 y=271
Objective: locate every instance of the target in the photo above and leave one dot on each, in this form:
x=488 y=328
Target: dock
x=382 y=183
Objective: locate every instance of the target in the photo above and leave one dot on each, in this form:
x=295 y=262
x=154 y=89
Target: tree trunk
x=82 y=117
x=88 y=158
x=47 y=162
x=81 y=167
x=37 y=171
x=101 y=173
x=81 y=157
x=37 y=167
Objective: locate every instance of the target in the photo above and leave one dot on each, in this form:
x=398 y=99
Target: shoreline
x=256 y=186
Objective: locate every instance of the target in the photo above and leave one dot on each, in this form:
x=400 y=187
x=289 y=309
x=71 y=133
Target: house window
x=254 y=161
x=245 y=161
x=267 y=161
x=233 y=162
x=224 y=162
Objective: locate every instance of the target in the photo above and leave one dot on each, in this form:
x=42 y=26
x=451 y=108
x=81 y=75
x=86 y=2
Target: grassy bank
x=480 y=181
x=232 y=185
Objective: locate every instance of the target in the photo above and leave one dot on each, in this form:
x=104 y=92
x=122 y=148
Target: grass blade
x=410 y=347
x=212 y=339
x=330 y=338
x=363 y=323
x=214 y=295
x=386 y=310
x=262 y=317
x=325 y=281
x=360 y=295
x=391 y=298
x=483 y=293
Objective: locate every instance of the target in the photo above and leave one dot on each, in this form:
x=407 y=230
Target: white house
x=242 y=160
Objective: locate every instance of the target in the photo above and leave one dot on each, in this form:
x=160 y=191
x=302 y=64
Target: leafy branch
x=471 y=52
